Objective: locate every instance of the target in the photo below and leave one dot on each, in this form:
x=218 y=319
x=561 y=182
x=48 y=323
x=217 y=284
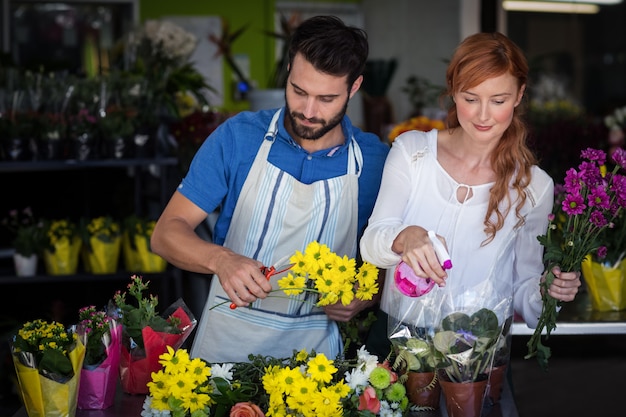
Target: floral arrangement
x=141 y=312
x=592 y=203
x=159 y=52
x=96 y=326
x=422 y=123
x=465 y=345
x=101 y=334
x=305 y=389
x=62 y=246
x=47 y=359
x=146 y=334
x=102 y=228
x=46 y=344
x=60 y=231
x=136 y=245
x=28 y=232
x=375 y=388
x=332 y=277
x=304 y=384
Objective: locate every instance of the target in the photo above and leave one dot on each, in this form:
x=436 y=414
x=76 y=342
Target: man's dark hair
x=331 y=46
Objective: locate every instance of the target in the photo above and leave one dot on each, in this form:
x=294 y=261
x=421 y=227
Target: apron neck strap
x=272 y=130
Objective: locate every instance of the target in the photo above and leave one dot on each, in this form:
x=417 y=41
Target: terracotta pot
x=496 y=382
x=463 y=399
x=423 y=389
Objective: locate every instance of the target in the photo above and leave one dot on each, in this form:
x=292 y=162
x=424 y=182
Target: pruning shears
x=270 y=271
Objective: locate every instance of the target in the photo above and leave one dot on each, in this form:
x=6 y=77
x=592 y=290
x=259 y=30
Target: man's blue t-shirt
x=220 y=167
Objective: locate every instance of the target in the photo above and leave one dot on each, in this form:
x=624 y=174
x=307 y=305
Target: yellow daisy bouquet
x=305 y=389
x=334 y=278
x=193 y=387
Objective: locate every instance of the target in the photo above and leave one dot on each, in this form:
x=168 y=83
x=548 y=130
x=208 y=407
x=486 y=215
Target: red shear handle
x=265 y=270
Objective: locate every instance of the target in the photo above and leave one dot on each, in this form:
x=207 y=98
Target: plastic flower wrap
x=466 y=344
x=332 y=277
x=102 y=241
x=47 y=359
x=63 y=246
x=593 y=201
x=136 y=246
x=146 y=333
x=102 y=335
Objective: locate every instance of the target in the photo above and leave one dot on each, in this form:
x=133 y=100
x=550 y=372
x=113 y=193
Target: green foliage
x=141 y=312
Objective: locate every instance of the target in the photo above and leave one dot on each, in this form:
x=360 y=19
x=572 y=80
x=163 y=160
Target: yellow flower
x=334 y=278
x=195 y=401
x=292 y=285
x=174 y=361
x=321 y=368
x=199 y=370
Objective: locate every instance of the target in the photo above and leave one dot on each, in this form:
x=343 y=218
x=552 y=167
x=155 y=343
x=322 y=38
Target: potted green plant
x=465 y=346
x=415 y=361
x=27 y=240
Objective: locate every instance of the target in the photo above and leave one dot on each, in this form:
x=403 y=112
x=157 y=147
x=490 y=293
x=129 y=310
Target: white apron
x=276 y=215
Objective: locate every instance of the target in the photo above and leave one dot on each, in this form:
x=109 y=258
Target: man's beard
x=309 y=132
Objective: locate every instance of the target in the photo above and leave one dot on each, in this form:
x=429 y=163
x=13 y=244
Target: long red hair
x=480 y=57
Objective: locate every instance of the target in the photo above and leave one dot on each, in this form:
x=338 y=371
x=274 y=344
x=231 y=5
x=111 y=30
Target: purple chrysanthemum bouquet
x=592 y=202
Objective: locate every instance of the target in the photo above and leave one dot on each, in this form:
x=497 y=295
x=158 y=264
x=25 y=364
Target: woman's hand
x=417 y=251
x=565 y=285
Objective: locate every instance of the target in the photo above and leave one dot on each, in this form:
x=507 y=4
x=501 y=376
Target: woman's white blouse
x=416 y=190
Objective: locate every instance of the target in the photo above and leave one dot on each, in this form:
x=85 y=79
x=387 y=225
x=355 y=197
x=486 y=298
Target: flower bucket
x=139 y=258
x=44 y=397
x=64 y=260
x=103 y=256
x=606 y=285
x=98 y=384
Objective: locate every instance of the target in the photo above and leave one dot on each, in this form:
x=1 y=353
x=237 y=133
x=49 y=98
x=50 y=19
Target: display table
x=127 y=405
x=578 y=318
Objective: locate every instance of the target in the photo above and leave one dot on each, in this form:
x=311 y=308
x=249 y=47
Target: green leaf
x=56 y=362
x=456 y=321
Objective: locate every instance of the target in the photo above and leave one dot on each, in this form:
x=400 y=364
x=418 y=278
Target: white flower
x=366 y=361
x=222 y=371
x=357 y=378
x=148 y=411
x=616 y=120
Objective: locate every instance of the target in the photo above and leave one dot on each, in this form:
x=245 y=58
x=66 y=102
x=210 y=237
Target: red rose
x=246 y=409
